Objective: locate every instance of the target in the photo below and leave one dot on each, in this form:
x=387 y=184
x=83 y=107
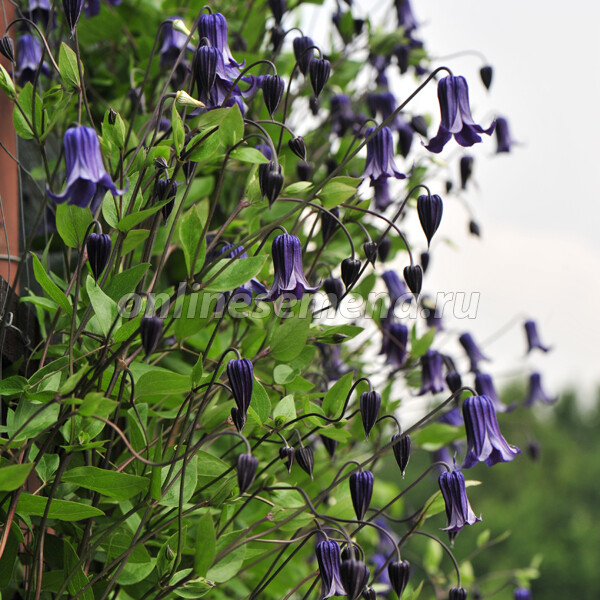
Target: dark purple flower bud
x=350 y=552
x=474 y=228
x=266 y=150
x=331 y=165
x=369 y=594
x=87 y=179
x=72 y=12
x=432 y=378
x=425 y=259
x=370 y=249
x=98 y=248
x=484 y=440
x=466 y=170
x=350 y=271
x=240 y=373
x=536 y=391
x=458 y=509
x=396 y=288
x=413 y=275
x=503 y=136
x=454 y=381
x=320 y=70
x=150 y=331
x=355 y=576
x=472 y=349
x=305 y=459
x=205 y=69
x=384 y=249
x=286 y=453
x=370 y=403
x=419 y=125
x=328 y=557
x=329 y=224
x=380 y=155
x=298 y=147
x=457 y=594
x=303 y=52
x=334 y=288
x=433 y=316
x=287 y=264
x=399 y=574
x=246 y=471
x=405 y=138
x=401 y=449
x=534 y=450
x=449 y=186
x=382 y=193
x=457 y=121
x=165 y=189
x=330 y=445
x=430 y=209
x=270 y=180
x=522 y=594
x=402 y=54
x=272 y=87
x=484 y=385
x=277 y=37
x=7 y=48
x=278 y=7
x=533 y=338
x=314 y=105
x=396 y=346
x=486 y=73
x=304 y=170
x=361 y=490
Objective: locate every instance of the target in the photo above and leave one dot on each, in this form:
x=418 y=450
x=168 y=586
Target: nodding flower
x=87 y=179
x=173 y=43
x=328 y=557
x=29 y=59
x=432 y=377
x=458 y=509
x=457 y=121
x=370 y=403
x=466 y=170
x=303 y=52
x=395 y=344
x=240 y=373
x=430 y=208
x=484 y=385
x=522 y=594
x=485 y=442
x=361 y=490
x=399 y=574
x=380 y=155
x=355 y=576
x=537 y=392
x=533 y=337
x=246 y=471
x=457 y=594
x=505 y=142
x=287 y=263
x=472 y=349
x=151 y=329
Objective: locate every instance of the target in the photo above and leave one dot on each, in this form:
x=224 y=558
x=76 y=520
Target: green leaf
x=63 y=510
x=437 y=435
x=289 y=340
x=284 y=374
x=192 y=588
x=13 y=477
x=161 y=382
x=285 y=410
x=72 y=223
x=67 y=65
x=23 y=118
x=210 y=467
x=338 y=190
x=231 y=130
x=13 y=385
x=336 y=397
x=79 y=580
x=155 y=482
x=96 y=404
x=260 y=401
x=190 y=231
x=420 y=346
x=171 y=497
x=335 y=334
x=236 y=272
x=125 y=282
x=105 y=308
x=206 y=541
x=231 y=563
x=178 y=129
x=120 y=486
x=49 y=287
x=133 y=219
x=249 y=155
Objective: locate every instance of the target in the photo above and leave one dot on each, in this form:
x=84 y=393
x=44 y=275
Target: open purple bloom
x=328 y=557
x=406 y=19
x=396 y=288
x=380 y=156
x=484 y=384
x=522 y=594
x=536 y=391
x=533 y=337
x=382 y=194
x=213 y=27
x=287 y=264
x=457 y=121
x=458 y=509
x=395 y=342
x=503 y=136
x=484 y=440
x=472 y=349
x=29 y=57
x=173 y=44
x=432 y=377
x=87 y=179
x=341 y=115
x=244 y=293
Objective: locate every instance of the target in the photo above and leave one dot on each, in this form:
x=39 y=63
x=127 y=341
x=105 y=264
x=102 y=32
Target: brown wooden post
x=9 y=186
